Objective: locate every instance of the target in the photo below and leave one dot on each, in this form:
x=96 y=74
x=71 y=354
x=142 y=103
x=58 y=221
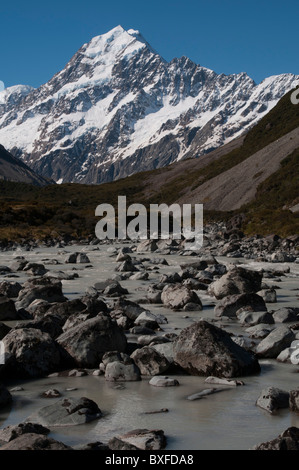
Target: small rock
x=162 y=381
x=272 y=399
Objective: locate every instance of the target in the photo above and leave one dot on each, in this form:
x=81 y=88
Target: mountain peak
x=118 y=108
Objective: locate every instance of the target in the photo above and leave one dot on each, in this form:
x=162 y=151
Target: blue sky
x=228 y=36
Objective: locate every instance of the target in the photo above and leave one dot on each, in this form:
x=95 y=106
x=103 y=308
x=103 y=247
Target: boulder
x=18 y=264
x=269 y=295
x=259 y=331
x=154 y=296
x=128 y=308
x=286 y=315
x=115 y=289
x=177 y=297
x=204 y=349
x=229 y=306
x=49 y=290
x=148 y=316
x=82 y=258
x=120 y=372
x=49 y=324
x=254 y=318
x=271 y=399
x=147 y=246
x=67 y=412
x=288 y=440
x=118 y=444
x=32 y=441
x=165 y=350
x=35 y=269
x=140 y=276
x=71 y=258
x=12 y=432
x=236 y=281
x=294 y=400
x=126 y=266
x=10 y=289
x=149 y=361
x=31 y=353
x=285 y=355
x=279 y=339
x=162 y=381
x=7 y=309
x=87 y=342
x=282 y=257
x=144 y=439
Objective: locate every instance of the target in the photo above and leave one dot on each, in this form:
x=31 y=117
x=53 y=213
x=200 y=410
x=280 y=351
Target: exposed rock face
x=43 y=289
x=120 y=372
x=236 y=281
x=150 y=361
x=178 y=297
x=120 y=77
x=34 y=442
x=204 y=349
x=7 y=309
x=13 y=169
x=288 y=440
x=294 y=400
x=31 y=353
x=86 y=343
x=67 y=412
x=142 y=439
x=273 y=399
x=278 y=340
x=12 y=432
x=229 y=306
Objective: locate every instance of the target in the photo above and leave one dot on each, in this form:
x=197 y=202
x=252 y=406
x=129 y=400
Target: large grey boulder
x=254 y=318
x=10 y=289
x=67 y=412
x=278 y=340
x=7 y=309
x=120 y=372
x=230 y=305
x=162 y=381
x=288 y=440
x=143 y=439
x=204 y=349
x=294 y=400
x=44 y=289
x=236 y=281
x=31 y=353
x=32 y=441
x=149 y=361
x=286 y=315
x=86 y=343
x=128 y=308
x=272 y=399
x=178 y=297
x=147 y=246
x=12 y=432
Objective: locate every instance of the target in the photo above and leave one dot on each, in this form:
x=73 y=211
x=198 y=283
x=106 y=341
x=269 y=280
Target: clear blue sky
x=228 y=36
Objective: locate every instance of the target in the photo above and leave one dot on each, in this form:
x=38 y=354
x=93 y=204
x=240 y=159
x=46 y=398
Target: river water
x=222 y=421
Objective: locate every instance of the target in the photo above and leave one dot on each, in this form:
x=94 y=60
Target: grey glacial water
x=226 y=420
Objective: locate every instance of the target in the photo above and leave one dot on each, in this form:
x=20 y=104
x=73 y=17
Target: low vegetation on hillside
x=68 y=210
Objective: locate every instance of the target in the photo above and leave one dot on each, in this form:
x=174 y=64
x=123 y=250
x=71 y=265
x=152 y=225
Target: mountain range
x=251 y=183
x=118 y=108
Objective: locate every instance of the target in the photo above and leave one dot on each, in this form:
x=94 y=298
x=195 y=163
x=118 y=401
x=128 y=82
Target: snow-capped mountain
x=118 y=107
